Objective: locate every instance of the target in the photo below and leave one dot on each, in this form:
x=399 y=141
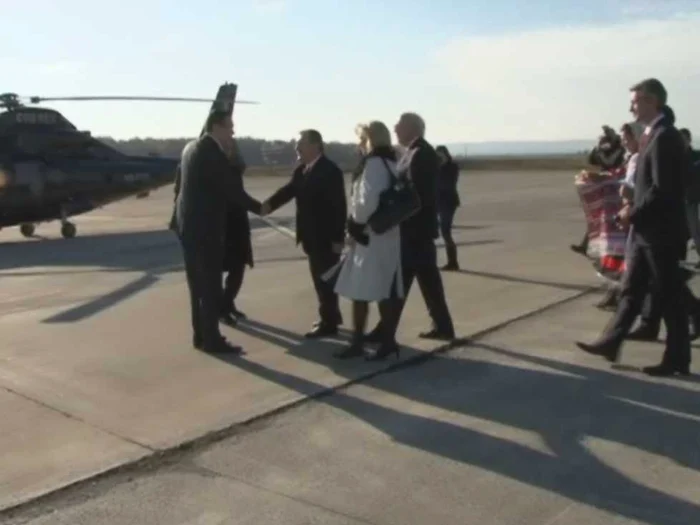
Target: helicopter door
x=30 y=177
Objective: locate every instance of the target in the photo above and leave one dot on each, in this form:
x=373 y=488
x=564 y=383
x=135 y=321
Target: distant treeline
x=278 y=156
x=256 y=152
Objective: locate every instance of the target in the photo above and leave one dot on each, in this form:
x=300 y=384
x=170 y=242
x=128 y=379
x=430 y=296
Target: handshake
x=265 y=208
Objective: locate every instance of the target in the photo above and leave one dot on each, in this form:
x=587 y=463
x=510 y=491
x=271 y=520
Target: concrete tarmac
x=97 y=373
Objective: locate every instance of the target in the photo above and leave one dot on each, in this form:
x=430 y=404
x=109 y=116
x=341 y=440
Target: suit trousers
x=447 y=215
x=658 y=266
x=320 y=261
x=651 y=312
x=419 y=261
x=232 y=284
x=204 y=283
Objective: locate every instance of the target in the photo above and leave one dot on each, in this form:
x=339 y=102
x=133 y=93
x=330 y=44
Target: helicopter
x=50 y=170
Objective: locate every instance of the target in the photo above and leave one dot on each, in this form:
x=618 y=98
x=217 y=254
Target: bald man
x=420 y=163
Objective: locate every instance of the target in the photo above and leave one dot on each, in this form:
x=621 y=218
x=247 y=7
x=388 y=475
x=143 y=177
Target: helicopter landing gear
x=68 y=230
x=27 y=229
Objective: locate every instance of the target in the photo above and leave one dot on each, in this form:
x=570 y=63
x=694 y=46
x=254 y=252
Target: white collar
x=653 y=123
x=311 y=164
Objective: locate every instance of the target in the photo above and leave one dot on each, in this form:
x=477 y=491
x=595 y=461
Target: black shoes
x=321 y=330
x=664 y=370
x=437 y=335
x=608 y=351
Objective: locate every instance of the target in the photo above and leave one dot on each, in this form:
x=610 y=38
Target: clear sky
x=477 y=70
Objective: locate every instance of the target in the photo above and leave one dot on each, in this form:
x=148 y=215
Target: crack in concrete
x=73 y=417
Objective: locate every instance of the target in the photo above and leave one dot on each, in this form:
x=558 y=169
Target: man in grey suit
x=207 y=189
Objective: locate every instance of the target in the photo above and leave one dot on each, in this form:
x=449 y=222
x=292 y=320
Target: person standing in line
x=448 y=202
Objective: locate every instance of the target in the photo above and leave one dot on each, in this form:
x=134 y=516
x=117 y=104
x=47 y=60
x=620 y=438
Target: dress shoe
x=438 y=335
x=643 y=332
x=350 y=351
x=383 y=352
x=321 y=330
x=375 y=336
x=664 y=370
x=237 y=313
x=607 y=351
x=228 y=319
x=577 y=248
x=222 y=346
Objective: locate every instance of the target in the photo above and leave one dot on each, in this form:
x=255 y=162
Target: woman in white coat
x=371 y=270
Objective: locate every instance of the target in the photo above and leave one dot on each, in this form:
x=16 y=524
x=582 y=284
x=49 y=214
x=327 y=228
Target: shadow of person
x=563 y=400
x=536 y=400
x=320 y=351
x=525 y=280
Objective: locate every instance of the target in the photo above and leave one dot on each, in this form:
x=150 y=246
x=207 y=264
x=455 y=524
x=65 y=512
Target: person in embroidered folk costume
x=611 y=266
x=371 y=270
x=601 y=200
x=608 y=156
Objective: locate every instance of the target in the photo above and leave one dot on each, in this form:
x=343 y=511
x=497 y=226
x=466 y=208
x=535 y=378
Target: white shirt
x=631 y=170
x=311 y=164
x=653 y=123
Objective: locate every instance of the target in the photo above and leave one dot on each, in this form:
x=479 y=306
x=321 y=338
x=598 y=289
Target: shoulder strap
x=393 y=177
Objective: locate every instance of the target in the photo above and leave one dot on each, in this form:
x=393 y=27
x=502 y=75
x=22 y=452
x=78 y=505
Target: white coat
x=368 y=272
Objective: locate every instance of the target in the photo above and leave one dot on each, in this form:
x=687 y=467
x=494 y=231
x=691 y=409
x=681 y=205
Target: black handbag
x=396 y=204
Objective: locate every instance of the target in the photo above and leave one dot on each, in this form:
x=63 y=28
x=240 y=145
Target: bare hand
x=338 y=247
x=623 y=216
x=265 y=209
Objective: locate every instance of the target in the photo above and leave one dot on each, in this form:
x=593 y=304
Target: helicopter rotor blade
x=37 y=100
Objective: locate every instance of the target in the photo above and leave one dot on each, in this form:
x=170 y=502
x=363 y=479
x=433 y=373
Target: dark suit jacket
x=421 y=164
x=207 y=189
x=448 y=196
x=238 y=245
x=321 y=204
x=658 y=213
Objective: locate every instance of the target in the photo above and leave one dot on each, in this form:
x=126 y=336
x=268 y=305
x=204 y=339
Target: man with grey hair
x=659 y=236
x=318 y=187
x=420 y=164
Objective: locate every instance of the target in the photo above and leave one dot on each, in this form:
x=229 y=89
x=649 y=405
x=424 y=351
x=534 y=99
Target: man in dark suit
x=318 y=187
x=420 y=163
x=207 y=188
x=659 y=235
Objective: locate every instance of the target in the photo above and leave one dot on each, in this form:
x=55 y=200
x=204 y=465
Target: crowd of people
x=641 y=199
x=348 y=255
